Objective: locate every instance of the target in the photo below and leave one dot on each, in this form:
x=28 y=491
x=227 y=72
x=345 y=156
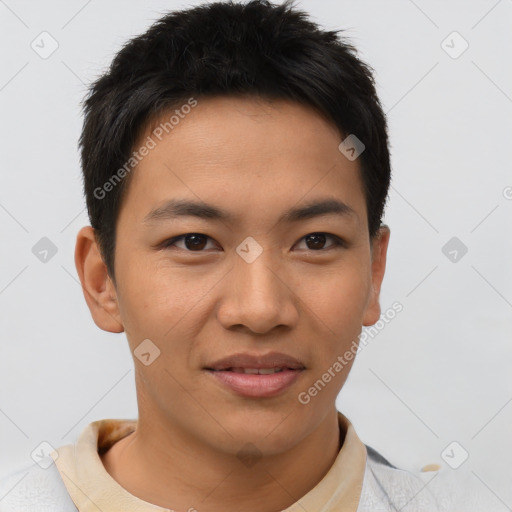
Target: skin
x=255 y=159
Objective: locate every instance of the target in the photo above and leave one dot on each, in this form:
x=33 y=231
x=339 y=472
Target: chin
x=272 y=431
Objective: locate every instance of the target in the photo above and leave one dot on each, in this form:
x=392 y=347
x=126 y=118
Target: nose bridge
x=257 y=297
x=256 y=280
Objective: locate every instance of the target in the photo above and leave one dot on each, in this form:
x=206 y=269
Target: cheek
x=337 y=310
x=338 y=298
x=161 y=303
x=337 y=305
x=144 y=297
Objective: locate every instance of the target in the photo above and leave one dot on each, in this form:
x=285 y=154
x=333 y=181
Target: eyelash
x=338 y=242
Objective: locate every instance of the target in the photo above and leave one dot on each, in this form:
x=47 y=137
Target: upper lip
x=258 y=361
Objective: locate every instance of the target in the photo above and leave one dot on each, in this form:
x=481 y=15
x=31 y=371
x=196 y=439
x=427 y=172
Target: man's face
x=224 y=301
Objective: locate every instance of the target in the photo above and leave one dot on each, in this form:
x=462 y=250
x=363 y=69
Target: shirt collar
x=92 y=488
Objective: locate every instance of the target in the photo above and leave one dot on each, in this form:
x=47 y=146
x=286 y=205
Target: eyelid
x=171 y=241
x=338 y=242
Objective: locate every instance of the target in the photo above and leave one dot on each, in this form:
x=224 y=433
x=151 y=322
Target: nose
x=259 y=297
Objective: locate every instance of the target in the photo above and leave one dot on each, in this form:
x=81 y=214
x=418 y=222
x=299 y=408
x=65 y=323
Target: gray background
x=437 y=373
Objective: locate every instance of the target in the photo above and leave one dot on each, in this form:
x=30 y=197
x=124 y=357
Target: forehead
x=245 y=125
x=244 y=151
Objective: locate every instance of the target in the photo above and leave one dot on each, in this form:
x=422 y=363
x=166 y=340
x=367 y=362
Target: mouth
x=256 y=376
x=254 y=371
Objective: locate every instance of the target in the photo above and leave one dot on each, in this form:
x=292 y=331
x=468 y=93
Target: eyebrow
x=186 y=208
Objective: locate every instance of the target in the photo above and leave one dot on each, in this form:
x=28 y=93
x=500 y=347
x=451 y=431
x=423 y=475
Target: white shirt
x=360 y=480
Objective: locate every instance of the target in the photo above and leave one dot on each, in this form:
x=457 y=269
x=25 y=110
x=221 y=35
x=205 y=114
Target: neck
x=163 y=466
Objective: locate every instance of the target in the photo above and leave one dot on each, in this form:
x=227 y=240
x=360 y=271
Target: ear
x=99 y=290
x=379 y=249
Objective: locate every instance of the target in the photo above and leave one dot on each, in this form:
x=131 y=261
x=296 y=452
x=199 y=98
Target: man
x=236 y=170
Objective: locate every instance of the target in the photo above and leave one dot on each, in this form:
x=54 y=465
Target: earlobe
x=379 y=254
x=98 y=288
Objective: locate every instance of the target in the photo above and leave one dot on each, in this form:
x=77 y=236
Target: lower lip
x=257 y=385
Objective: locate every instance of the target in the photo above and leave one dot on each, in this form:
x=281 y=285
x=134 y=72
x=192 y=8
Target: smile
x=256 y=382
x=255 y=371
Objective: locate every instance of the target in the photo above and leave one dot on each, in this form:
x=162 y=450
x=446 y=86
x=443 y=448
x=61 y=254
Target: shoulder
x=38 y=487
x=388 y=488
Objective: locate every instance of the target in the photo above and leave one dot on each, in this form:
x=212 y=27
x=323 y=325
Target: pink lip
x=256 y=385
x=270 y=360
x=227 y=371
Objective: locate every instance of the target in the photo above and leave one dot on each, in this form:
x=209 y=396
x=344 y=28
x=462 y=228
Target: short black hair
x=225 y=49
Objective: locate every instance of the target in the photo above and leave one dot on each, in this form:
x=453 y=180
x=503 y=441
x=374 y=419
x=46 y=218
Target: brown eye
x=317 y=241
x=192 y=242
x=195 y=241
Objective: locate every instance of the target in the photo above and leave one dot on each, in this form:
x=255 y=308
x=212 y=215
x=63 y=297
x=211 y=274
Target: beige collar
x=92 y=488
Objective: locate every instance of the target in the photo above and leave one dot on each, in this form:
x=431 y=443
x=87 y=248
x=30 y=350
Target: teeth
x=256 y=371
x=249 y=370
x=268 y=371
